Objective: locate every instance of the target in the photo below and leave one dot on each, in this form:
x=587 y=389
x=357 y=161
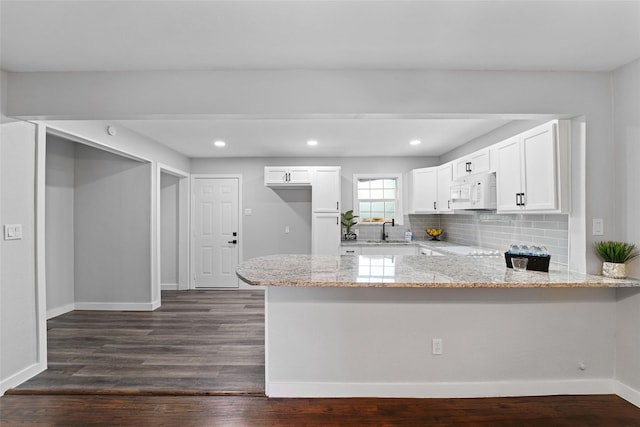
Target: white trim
x=118 y=306
x=191 y=211
x=20 y=377
x=441 y=390
x=184 y=223
x=629 y=394
x=40 y=248
x=54 y=130
x=169 y=286
x=58 y=311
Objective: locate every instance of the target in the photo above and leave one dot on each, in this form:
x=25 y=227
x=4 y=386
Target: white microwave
x=474 y=192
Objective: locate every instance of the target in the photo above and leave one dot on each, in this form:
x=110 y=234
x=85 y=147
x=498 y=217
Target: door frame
x=192 y=210
x=184 y=223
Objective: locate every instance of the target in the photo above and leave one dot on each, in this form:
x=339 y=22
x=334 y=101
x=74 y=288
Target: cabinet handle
x=434 y=206
x=288 y=176
x=468 y=166
x=337 y=206
x=522 y=199
x=448 y=204
x=517 y=199
x=336 y=220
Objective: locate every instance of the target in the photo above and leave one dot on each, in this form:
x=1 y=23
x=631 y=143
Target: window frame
x=399 y=216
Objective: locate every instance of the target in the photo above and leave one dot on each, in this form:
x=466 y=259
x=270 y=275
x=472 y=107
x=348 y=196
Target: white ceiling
x=336 y=137
x=91 y=35
x=55 y=35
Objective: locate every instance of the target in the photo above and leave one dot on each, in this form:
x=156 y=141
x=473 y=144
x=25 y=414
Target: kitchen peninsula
x=371 y=325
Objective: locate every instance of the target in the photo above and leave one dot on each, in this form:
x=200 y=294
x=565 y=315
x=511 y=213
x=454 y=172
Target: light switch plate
x=598 y=226
x=248 y=212
x=12 y=231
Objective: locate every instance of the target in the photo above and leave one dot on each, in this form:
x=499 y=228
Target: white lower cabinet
x=325 y=234
x=533 y=170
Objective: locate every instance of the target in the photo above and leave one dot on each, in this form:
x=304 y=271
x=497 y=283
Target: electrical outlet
x=436 y=346
x=12 y=231
x=598 y=227
x=286 y=228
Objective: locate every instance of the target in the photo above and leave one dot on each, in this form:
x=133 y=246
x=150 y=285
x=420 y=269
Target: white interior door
x=215 y=233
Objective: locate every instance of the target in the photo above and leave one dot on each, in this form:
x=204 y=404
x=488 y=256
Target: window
x=377 y=198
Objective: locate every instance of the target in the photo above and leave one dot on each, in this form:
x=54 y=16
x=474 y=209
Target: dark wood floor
x=198 y=342
x=569 y=411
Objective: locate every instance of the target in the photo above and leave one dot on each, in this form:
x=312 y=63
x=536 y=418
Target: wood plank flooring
x=198 y=342
x=230 y=411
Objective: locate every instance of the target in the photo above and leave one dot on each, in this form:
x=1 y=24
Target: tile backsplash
x=486 y=229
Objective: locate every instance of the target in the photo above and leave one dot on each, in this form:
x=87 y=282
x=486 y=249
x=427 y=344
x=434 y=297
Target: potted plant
x=349 y=220
x=614 y=256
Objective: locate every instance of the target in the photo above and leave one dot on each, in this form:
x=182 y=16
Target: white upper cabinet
x=533 y=170
x=287 y=176
x=429 y=189
x=325 y=193
x=423 y=190
x=471 y=164
x=445 y=175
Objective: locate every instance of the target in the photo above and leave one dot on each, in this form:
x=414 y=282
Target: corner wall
x=626 y=104
x=112 y=231
x=59 y=228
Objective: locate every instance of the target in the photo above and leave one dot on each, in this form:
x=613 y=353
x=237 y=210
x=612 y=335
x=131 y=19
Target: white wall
x=169 y=192
x=626 y=84
x=377 y=342
x=112 y=231
x=59 y=216
x=272 y=209
x=20 y=355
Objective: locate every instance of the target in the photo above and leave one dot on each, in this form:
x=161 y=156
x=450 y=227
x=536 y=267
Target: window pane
x=377 y=206
x=389 y=183
x=364 y=194
x=389 y=193
x=377 y=194
x=363 y=184
x=365 y=207
x=377 y=183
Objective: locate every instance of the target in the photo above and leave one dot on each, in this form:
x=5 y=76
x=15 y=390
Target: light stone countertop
x=410 y=272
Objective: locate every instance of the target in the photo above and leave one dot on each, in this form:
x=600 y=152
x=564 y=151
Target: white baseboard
x=55 y=312
x=117 y=306
x=629 y=394
x=442 y=390
x=169 y=286
x=22 y=376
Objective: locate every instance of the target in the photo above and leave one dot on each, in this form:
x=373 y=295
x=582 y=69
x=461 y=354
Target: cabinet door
x=299 y=175
x=424 y=190
x=444 y=187
x=275 y=175
x=539 y=167
x=477 y=162
x=325 y=234
x=480 y=162
x=325 y=191
x=508 y=175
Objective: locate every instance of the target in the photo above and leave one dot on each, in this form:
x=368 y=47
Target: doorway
x=216 y=242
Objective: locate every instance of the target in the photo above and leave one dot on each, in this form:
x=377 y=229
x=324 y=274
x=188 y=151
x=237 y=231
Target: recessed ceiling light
x=219 y=143
x=416 y=142
x=312 y=142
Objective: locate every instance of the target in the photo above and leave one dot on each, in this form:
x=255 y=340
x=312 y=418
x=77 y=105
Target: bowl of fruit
x=434 y=233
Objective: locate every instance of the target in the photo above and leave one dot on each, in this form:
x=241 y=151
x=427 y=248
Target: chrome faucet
x=385 y=235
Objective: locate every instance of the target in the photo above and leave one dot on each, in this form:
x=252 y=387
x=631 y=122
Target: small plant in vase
x=614 y=256
x=348 y=221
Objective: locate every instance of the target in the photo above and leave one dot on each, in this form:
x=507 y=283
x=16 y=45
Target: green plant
x=618 y=252
x=348 y=220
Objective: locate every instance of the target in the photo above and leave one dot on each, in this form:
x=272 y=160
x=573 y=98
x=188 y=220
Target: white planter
x=614 y=270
